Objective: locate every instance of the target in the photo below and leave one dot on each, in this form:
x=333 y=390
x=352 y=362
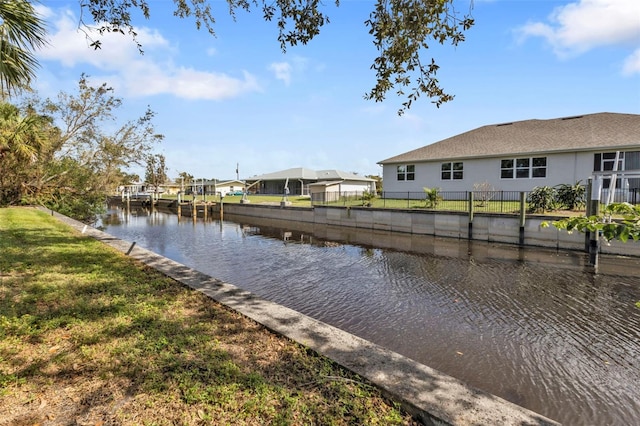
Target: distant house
x=226 y=187
x=208 y=187
x=521 y=155
x=171 y=187
x=301 y=181
x=142 y=188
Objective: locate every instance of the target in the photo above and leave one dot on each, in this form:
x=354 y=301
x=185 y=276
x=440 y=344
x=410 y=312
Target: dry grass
x=89 y=337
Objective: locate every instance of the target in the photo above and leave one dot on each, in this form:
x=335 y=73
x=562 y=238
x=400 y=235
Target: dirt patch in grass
x=89 y=337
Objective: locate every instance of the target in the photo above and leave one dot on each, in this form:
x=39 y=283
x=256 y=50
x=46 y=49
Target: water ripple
x=535 y=328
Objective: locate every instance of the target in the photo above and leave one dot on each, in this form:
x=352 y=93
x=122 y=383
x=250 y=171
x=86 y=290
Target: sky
x=236 y=100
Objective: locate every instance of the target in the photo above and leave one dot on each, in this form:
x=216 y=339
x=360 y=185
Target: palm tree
x=20 y=136
x=23 y=139
x=21 y=32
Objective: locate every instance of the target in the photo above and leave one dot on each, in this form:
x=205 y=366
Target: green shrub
x=542 y=199
x=367 y=197
x=571 y=197
x=432 y=197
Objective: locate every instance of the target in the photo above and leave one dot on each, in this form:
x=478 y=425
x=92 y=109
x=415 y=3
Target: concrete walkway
x=432 y=397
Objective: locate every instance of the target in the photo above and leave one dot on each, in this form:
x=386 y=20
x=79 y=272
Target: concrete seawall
x=432 y=397
x=489 y=227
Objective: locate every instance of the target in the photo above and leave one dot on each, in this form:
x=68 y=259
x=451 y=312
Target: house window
x=523 y=168
x=606 y=161
x=406 y=172
x=539 y=167
x=506 y=169
x=452 y=171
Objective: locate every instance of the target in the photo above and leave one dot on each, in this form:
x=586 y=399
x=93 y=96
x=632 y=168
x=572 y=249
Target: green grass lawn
x=89 y=336
x=446 y=205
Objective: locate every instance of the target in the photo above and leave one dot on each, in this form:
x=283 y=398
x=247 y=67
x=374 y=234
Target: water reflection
x=534 y=326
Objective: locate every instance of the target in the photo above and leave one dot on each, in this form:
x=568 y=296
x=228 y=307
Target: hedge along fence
x=457 y=201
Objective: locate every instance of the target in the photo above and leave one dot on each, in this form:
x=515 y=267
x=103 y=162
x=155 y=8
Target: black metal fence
x=509 y=202
x=483 y=201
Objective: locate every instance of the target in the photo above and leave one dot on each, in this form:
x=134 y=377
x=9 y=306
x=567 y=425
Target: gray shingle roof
x=307 y=174
x=295 y=173
x=589 y=132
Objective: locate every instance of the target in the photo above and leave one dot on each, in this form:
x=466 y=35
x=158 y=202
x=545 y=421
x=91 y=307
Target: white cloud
x=135 y=74
x=297 y=65
x=282 y=71
x=70 y=45
x=192 y=84
x=589 y=23
x=586 y=24
x=632 y=64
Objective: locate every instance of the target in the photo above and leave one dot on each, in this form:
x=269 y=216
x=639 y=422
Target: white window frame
x=607 y=164
x=405 y=172
x=453 y=173
x=524 y=168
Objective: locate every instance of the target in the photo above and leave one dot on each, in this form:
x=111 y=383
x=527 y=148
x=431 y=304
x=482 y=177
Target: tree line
x=58 y=152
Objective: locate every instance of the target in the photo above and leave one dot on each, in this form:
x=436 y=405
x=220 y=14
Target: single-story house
x=521 y=155
x=211 y=187
x=141 y=188
x=301 y=181
x=226 y=187
x=171 y=187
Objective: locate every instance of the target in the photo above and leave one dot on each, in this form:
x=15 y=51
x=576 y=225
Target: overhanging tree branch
x=402 y=31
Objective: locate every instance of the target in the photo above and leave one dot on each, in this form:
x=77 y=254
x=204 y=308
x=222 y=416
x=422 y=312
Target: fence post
x=470 y=198
x=594 y=210
x=522 y=216
x=588 y=207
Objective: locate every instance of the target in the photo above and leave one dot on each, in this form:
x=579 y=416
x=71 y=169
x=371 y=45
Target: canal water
x=534 y=326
